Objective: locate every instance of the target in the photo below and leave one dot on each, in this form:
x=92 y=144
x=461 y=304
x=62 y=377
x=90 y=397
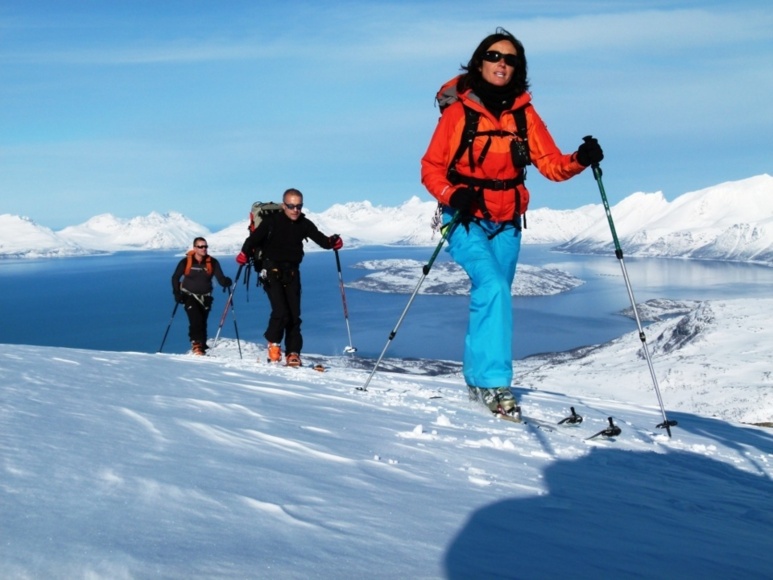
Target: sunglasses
x=298 y=206
x=202 y=247
x=496 y=56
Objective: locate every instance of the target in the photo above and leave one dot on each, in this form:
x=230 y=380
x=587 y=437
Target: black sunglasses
x=298 y=206
x=496 y=56
x=202 y=247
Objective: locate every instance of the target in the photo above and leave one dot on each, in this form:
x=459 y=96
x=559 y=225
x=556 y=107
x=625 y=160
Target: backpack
x=258 y=211
x=189 y=263
x=519 y=149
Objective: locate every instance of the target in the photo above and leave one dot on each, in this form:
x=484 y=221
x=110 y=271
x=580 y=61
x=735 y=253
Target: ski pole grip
x=595 y=166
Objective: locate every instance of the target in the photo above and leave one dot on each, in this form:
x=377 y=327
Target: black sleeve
x=257 y=237
x=217 y=271
x=316 y=236
x=178 y=273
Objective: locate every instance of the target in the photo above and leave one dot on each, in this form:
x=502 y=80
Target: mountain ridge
x=731 y=221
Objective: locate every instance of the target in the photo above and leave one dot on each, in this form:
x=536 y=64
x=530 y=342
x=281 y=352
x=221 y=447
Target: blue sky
x=205 y=106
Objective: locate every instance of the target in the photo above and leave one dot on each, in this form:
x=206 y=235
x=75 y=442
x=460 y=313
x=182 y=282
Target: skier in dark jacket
x=192 y=286
x=280 y=237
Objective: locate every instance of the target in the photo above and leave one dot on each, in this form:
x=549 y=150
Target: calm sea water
x=124 y=302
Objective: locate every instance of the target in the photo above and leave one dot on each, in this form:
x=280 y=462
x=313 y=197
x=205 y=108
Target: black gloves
x=179 y=297
x=227 y=283
x=462 y=199
x=589 y=153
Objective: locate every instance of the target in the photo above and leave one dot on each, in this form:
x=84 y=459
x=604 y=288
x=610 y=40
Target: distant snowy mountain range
x=730 y=221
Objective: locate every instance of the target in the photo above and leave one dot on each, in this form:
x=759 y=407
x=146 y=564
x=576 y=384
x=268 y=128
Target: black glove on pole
x=589 y=153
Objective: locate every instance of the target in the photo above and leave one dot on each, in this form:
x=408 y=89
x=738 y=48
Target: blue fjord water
x=124 y=302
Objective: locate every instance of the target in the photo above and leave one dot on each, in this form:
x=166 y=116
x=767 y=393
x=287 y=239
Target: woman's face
x=498 y=73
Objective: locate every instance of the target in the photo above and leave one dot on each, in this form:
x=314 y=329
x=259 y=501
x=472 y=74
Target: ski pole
x=666 y=424
x=350 y=348
x=451 y=226
x=174 y=311
x=227 y=303
x=233 y=313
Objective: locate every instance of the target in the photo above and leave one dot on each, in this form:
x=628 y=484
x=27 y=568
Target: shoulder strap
x=520 y=122
x=470 y=131
x=189 y=264
x=471 y=119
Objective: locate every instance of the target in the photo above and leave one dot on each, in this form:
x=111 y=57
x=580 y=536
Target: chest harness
x=519 y=151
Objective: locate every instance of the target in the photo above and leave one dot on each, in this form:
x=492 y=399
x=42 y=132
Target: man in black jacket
x=280 y=236
x=195 y=290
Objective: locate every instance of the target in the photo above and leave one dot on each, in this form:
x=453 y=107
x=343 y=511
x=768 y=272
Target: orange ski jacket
x=497 y=164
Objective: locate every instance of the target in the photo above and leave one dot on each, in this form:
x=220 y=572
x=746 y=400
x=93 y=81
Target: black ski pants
x=197 y=308
x=283 y=288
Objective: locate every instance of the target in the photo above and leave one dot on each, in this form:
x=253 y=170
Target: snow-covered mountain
x=168 y=231
x=20 y=237
x=730 y=221
x=132 y=465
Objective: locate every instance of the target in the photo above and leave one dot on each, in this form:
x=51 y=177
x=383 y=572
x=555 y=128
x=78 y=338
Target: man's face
x=292 y=205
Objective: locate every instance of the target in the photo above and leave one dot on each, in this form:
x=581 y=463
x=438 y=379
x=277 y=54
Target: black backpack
x=258 y=211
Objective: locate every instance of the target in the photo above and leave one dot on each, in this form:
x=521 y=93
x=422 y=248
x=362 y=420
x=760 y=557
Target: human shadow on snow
x=626 y=514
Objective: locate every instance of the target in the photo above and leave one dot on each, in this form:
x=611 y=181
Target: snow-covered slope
x=129 y=465
x=715 y=361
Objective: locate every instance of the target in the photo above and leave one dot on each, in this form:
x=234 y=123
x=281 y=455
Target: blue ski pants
x=490 y=263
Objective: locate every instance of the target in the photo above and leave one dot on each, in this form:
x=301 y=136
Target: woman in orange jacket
x=475 y=166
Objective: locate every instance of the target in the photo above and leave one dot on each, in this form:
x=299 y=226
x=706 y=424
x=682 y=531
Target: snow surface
x=131 y=465
x=729 y=221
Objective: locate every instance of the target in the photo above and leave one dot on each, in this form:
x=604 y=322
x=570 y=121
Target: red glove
x=241 y=258
x=336 y=242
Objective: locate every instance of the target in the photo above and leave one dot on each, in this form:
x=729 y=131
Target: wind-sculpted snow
x=132 y=465
x=395 y=276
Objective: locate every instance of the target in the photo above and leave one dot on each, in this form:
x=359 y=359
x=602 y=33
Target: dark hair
x=291 y=191
x=472 y=76
x=197 y=240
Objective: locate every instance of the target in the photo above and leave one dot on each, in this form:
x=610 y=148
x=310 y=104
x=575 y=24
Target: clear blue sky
x=202 y=107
